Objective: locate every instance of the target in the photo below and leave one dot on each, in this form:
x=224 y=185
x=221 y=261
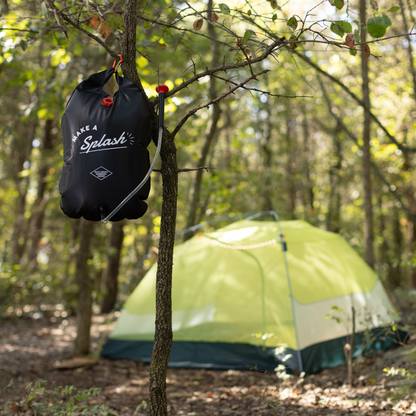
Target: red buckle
x=161 y=88
x=107 y=102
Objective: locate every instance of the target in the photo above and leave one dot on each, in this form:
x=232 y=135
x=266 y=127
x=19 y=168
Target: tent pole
x=292 y=302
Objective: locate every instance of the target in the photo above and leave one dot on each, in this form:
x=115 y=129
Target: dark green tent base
x=222 y=356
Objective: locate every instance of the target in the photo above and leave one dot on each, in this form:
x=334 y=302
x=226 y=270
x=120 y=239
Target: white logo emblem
x=101 y=173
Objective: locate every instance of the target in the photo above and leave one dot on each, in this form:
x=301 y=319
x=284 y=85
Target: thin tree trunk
x=307 y=149
x=85 y=288
x=290 y=175
x=384 y=254
x=333 y=214
x=395 y=277
x=163 y=330
x=22 y=147
x=113 y=266
x=268 y=155
x=36 y=221
x=368 y=208
x=163 y=324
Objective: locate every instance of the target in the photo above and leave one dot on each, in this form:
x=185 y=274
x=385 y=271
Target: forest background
x=299 y=156
x=302 y=141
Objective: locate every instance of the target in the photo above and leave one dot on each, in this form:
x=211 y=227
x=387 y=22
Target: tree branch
x=78 y=26
x=206 y=168
x=216 y=100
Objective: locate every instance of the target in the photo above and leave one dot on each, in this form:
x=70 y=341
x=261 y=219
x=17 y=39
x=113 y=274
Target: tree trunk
x=85 y=287
x=368 y=208
x=290 y=175
x=163 y=324
x=384 y=249
x=113 y=265
x=22 y=147
x=267 y=155
x=334 y=203
x=163 y=330
x=309 y=196
x=36 y=221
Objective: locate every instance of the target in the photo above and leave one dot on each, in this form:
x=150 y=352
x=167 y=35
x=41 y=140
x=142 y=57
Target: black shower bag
x=105 y=150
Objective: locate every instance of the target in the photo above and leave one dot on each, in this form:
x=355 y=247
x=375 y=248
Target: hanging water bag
x=105 y=150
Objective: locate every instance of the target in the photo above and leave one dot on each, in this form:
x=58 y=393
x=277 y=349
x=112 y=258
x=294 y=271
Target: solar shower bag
x=105 y=150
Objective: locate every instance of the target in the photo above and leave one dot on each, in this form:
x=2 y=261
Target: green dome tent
x=238 y=293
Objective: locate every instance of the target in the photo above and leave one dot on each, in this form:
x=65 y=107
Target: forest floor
x=30 y=350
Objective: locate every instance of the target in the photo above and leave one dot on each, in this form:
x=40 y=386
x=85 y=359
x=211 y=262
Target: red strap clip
x=161 y=88
x=116 y=65
x=107 y=102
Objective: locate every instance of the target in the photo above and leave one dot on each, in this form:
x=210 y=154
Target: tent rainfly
x=241 y=291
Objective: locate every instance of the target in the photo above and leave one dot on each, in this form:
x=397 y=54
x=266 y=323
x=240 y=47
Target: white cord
x=141 y=184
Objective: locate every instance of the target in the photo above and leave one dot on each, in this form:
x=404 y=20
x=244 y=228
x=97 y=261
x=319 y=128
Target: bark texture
x=368 y=206
x=163 y=325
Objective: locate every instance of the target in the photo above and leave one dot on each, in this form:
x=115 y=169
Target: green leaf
x=394 y=9
x=353 y=52
x=146 y=25
x=274 y=4
x=292 y=23
x=345 y=26
x=84 y=395
x=385 y=20
x=293 y=46
x=23 y=45
x=249 y=12
x=247 y=35
x=78 y=397
x=224 y=8
x=274 y=17
x=339 y=4
x=375 y=27
x=71 y=400
x=337 y=29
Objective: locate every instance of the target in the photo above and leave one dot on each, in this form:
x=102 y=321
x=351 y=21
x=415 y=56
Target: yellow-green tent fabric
x=238 y=294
